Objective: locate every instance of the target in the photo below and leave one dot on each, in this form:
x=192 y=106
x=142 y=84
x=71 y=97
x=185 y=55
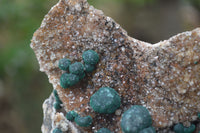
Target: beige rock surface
x=163 y=77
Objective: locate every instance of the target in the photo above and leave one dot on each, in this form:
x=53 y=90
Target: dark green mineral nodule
x=90 y=57
x=71 y=115
x=103 y=130
x=76 y=68
x=89 y=68
x=64 y=64
x=135 y=119
x=105 y=100
x=57 y=105
x=179 y=128
x=148 y=130
x=68 y=80
x=57 y=130
x=83 y=121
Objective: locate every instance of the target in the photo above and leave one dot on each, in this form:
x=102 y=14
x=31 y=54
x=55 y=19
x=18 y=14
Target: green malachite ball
x=68 y=80
x=179 y=128
x=76 y=68
x=57 y=130
x=64 y=64
x=57 y=105
x=148 y=130
x=90 y=57
x=135 y=119
x=103 y=130
x=71 y=115
x=105 y=100
x=89 y=68
x=83 y=121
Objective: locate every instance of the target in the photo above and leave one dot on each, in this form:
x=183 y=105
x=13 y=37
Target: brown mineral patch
x=162 y=77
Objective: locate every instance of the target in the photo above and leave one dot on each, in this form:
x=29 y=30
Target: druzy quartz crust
x=162 y=77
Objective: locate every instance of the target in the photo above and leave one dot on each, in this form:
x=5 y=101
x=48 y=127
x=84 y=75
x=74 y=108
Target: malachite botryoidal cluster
x=68 y=79
x=58 y=102
x=148 y=130
x=105 y=100
x=136 y=119
x=64 y=64
x=57 y=130
x=90 y=57
x=89 y=68
x=71 y=115
x=103 y=130
x=77 y=70
x=179 y=128
x=83 y=121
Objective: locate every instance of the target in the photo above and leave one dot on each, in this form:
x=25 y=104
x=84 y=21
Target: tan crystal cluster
x=163 y=77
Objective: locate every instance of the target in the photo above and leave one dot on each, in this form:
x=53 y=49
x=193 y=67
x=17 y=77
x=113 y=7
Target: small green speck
x=57 y=130
x=56 y=96
x=135 y=119
x=89 y=68
x=71 y=115
x=76 y=68
x=83 y=121
x=148 y=130
x=103 y=130
x=90 y=57
x=57 y=105
x=196 y=62
x=105 y=100
x=198 y=115
x=68 y=80
x=64 y=64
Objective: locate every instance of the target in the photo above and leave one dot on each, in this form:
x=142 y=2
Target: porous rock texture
x=163 y=77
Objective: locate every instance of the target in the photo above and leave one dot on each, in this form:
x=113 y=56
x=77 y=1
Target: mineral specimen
x=135 y=119
x=71 y=115
x=179 y=128
x=76 y=68
x=105 y=100
x=64 y=64
x=89 y=68
x=90 y=57
x=163 y=77
x=83 y=121
x=68 y=80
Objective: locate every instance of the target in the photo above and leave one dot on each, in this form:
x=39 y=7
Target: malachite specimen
x=56 y=96
x=148 y=130
x=57 y=105
x=90 y=57
x=76 y=68
x=105 y=100
x=179 y=128
x=64 y=64
x=83 y=121
x=89 y=68
x=71 y=115
x=135 y=119
x=103 y=130
x=57 y=130
x=68 y=80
